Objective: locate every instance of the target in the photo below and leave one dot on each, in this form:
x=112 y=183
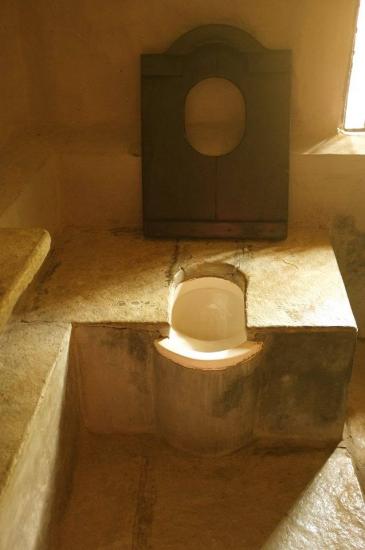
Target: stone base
x=292 y=393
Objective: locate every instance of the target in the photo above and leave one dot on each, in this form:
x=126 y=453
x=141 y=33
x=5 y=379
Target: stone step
x=22 y=252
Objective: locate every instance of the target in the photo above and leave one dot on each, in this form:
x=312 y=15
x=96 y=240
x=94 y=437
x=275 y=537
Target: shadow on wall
x=349 y=246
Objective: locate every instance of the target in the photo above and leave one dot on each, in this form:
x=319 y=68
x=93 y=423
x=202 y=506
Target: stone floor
x=136 y=493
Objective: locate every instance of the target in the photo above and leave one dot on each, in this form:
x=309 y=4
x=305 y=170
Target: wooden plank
x=205 y=230
x=178 y=182
x=161 y=65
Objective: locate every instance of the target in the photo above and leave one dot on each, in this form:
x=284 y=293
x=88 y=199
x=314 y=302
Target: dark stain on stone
x=304 y=382
x=131 y=340
x=143 y=518
x=114 y=338
x=137 y=346
x=123 y=338
x=44 y=276
x=50 y=270
x=230 y=398
x=170 y=271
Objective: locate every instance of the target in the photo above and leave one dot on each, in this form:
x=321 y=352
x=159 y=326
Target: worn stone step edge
x=22 y=252
x=29 y=353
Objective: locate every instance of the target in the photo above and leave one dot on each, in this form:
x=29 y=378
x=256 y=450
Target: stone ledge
x=22 y=252
x=28 y=354
x=342 y=143
x=112 y=276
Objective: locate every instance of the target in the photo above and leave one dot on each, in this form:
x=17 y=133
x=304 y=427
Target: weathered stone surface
x=349 y=245
x=100 y=276
x=303 y=388
x=195 y=253
x=329 y=514
x=108 y=483
x=22 y=252
x=115 y=374
x=28 y=353
x=132 y=490
x=206 y=411
x=103 y=276
x=135 y=492
x=295 y=283
x=40 y=423
x=355 y=423
x=118 y=277
x=292 y=392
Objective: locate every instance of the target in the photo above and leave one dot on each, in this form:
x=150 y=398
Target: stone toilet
x=220 y=385
x=205 y=370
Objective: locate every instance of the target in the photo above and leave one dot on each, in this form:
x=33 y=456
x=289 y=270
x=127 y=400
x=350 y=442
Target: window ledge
x=350 y=143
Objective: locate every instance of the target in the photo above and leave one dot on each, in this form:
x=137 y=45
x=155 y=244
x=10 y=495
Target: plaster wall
x=33 y=197
x=84 y=66
x=83 y=58
x=14 y=112
x=28 y=171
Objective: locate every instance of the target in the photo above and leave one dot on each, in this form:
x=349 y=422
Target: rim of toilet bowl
x=210 y=360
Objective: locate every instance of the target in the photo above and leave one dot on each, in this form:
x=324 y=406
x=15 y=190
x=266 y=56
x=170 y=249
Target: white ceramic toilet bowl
x=208 y=314
x=207 y=324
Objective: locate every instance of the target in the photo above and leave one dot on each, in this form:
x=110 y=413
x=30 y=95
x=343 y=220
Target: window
x=355 y=105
